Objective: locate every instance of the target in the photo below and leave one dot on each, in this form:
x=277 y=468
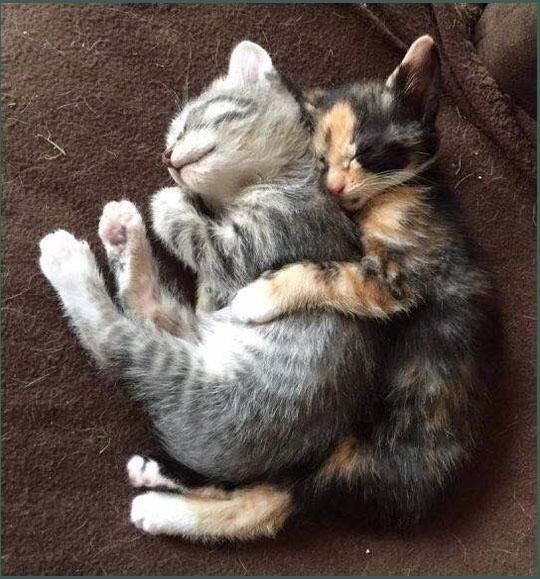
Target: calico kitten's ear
x=416 y=80
x=312 y=99
x=249 y=64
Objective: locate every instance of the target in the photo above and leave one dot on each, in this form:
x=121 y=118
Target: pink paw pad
x=114 y=234
x=117 y=219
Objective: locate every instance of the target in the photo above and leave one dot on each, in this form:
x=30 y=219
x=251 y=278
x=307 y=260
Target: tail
x=397 y=486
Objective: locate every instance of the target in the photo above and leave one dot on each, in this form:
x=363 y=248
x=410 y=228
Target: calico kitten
x=233 y=402
x=377 y=143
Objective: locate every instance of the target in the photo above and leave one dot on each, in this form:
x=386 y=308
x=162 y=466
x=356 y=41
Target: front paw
x=166 y=205
x=253 y=304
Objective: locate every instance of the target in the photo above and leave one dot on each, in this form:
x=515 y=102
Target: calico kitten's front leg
x=353 y=288
x=130 y=256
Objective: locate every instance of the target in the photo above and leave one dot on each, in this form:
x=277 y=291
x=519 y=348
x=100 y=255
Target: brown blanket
x=87 y=92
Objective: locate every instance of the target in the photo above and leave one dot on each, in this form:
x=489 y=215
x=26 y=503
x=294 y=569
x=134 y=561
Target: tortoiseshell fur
x=377 y=144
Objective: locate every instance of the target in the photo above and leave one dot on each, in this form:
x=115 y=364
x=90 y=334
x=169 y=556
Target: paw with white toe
x=163 y=514
x=119 y=221
x=253 y=304
x=144 y=472
x=64 y=260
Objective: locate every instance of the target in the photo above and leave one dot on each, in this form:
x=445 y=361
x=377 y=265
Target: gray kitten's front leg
x=182 y=229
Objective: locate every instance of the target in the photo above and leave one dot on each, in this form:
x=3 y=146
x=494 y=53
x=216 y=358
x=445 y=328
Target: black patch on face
x=378 y=154
x=233 y=115
x=387 y=136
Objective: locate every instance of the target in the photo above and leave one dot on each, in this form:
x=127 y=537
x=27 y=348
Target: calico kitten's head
x=245 y=128
x=372 y=136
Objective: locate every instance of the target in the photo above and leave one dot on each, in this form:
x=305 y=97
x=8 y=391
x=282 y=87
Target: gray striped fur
x=238 y=402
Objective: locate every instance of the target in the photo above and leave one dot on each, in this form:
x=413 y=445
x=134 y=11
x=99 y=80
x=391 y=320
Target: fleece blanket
x=87 y=92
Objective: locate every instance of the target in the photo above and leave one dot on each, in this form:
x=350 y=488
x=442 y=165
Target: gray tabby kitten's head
x=244 y=129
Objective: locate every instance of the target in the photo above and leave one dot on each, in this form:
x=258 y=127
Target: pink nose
x=336 y=189
x=166 y=157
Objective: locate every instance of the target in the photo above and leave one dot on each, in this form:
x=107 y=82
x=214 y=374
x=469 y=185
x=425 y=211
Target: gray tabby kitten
x=234 y=402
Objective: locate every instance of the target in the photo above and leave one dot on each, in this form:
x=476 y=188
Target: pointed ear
x=249 y=64
x=312 y=99
x=416 y=80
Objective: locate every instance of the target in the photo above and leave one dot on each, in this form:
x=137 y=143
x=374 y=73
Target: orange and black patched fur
x=377 y=145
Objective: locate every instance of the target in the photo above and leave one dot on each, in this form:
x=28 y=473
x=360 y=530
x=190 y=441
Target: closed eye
x=191 y=157
x=196 y=156
x=381 y=157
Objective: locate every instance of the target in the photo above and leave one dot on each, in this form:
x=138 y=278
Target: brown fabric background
x=510 y=58
x=101 y=82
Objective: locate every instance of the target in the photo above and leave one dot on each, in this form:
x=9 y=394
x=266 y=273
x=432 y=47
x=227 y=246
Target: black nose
x=166 y=156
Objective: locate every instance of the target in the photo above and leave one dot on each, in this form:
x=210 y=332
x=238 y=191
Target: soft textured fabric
x=505 y=38
x=87 y=92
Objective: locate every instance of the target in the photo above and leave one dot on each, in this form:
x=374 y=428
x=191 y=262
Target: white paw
x=64 y=259
x=163 y=514
x=167 y=198
x=118 y=219
x=253 y=304
x=165 y=206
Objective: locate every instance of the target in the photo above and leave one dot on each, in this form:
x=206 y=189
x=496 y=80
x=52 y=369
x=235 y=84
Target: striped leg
x=141 y=292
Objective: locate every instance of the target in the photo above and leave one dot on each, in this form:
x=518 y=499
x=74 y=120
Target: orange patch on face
x=334 y=140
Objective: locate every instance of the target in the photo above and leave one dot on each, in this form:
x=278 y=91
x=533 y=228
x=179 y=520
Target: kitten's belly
x=274 y=395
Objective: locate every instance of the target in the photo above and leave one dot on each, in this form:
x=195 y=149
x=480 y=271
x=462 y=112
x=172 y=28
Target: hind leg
x=71 y=268
x=142 y=295
x=205 y=512
x=149 y=474
x=241 y=514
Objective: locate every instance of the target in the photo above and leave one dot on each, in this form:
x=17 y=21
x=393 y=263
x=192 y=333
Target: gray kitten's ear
x=312 y=99
x=249 y=64
x=416 y=80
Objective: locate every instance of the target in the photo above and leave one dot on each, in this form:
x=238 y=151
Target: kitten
x=377 y=143
x=236 y=403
